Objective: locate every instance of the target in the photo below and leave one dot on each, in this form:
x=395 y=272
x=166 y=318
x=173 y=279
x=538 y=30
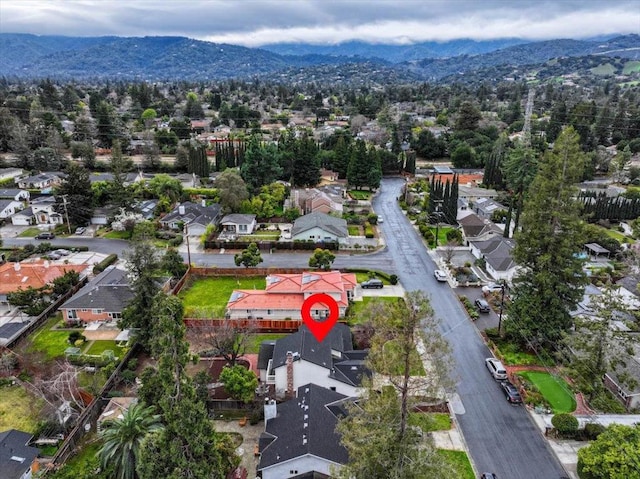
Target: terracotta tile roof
x=317 y=281
x=463 y=179
x=259 y=299
x=34 y=274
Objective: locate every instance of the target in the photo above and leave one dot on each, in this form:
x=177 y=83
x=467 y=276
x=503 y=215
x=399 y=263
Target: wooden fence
x=275 y=245
x=89 y=417
x=258 y=325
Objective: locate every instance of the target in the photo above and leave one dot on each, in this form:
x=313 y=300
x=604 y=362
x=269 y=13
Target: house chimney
x=289 y=364
x=181 y=210
x=270 y=409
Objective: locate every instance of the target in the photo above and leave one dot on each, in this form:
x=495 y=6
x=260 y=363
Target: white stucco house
x=9 y=208
x=237 y=224
x=319 y=227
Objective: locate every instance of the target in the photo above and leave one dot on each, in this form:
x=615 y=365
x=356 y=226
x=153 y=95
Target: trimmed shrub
x=565 y=424
x=102 y=265
x=393 y=279
x=592 y=430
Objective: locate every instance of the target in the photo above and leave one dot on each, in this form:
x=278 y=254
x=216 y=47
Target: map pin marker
x=321 y=328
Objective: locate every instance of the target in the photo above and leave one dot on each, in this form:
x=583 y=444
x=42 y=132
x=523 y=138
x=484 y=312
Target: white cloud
x=260 y=22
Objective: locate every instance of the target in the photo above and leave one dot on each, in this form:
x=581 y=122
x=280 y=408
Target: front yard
x=208 y=297
x=553 y=389
x=356 y=308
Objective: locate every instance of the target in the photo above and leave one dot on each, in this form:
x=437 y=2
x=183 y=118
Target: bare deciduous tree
x=228 y=338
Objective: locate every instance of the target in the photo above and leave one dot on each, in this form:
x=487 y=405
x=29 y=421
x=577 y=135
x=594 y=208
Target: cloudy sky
x=260 y=22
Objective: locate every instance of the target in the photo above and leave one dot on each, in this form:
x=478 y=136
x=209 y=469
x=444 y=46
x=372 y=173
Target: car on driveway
x=372 y=284
x=440 y=275
x=511 y=392
x=491 y=288
x=43 y=236
x=496 y=368
x=482 y=305
x=80 y=230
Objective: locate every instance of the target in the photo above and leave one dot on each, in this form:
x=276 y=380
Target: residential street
x=501 y=438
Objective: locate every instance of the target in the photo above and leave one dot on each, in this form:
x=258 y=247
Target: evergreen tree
x=198 y=162
x=358 y=171
x=552 y=280
x=119 y=166
x=261 y=165
x=493 y=168
x=77 y=194
x=341 y=158
x=519 y=169
x=306 y=167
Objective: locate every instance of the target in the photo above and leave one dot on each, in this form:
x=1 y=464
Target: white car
x=440 y=275
x=491 y=288
x=380 y=219
x=496 y=368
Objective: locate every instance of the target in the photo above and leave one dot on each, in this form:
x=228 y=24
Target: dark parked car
x=511 y=392
x=372 y=284
x=45 y=236
x=488 y=475
x=482 y=305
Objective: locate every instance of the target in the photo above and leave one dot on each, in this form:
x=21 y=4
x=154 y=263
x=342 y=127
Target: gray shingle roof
x=331 y=224
x=473 y=226
x=238 y=219
x=497 y=252
x=304 y=425
x=15 y=456
x=10 y=192
x=109 y=291
x=194 y=214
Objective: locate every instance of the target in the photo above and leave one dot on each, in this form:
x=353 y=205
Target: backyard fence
x=258 y=325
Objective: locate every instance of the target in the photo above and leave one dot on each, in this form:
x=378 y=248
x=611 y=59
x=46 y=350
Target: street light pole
x=186 y=231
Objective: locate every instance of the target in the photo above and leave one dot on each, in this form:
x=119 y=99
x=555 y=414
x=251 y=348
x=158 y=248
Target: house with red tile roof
x=33 y=274
x=285 y=293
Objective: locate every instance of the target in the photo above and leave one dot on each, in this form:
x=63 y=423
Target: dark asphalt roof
x=7 y=330
x=110 y=291
x=15 y=456
x=265 y=353
x=304 y=425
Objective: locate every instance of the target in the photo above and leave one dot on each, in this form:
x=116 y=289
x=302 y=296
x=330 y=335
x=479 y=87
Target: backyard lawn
x=554 y=389
x=18 y=409
x=354 y=230
x=460 y=462
x=256 y=339
x=96 y=348
x=208 y=297
x=50 y=341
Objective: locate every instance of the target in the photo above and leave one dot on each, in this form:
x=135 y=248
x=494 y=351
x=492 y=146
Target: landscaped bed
x=208 y=297
x=554 y=389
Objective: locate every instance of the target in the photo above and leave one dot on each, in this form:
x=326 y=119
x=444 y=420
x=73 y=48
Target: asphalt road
x=501 y=438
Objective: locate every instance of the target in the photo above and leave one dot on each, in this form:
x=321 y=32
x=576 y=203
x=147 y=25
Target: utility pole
x=437 y=214
x=186 y=232
x=501 y=308
x=66 y=212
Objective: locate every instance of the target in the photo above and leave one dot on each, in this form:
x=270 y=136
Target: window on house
x=242 y=228
x=115 y=315
x=333 y=388
x=85 y=310
x=268 y=311
x=72 y=314
x=96 y=311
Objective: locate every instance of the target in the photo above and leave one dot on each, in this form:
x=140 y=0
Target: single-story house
x=497 y=253
x=299 y=358
x=300 y=438
x=475 y=228
x=319 y=227
x=9 y=208
x=15 y=194
x=44 y=182
x=195 y=216
x=17 y=458
x=8 y=173
x=238 y=224
x=485 y=207
x=102 y=299
x=628 y=390
x=35 y=274
x=285 y=293
x=23 y=217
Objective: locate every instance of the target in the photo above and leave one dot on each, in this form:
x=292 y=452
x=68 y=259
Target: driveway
x=501 y=438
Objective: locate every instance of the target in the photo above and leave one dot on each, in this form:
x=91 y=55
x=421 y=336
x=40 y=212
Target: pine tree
x=358 y=170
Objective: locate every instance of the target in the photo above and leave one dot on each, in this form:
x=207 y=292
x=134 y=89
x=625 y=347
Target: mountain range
x=181 y=58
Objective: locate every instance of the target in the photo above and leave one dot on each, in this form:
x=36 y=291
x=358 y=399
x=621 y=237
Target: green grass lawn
x=125 y=235
x=261 y=236
x=393 y=363
x=96 y=348
x=615 y=234
x=513 y=355
x=442 y=234
x=359 y=194
x=85 y=460
x=430 y=421
x=354 y=230
x=18 y=409
x=50 y=341
x=356 y=308
x=459 y=461
x=256 y=340
x=29 y=233
x=208 y=297
x=554 y=389
x=631 y=67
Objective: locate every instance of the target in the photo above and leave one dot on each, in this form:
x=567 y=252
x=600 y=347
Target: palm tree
x=122 y=438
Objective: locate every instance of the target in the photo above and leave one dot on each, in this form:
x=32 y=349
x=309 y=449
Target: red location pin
x=320 y=329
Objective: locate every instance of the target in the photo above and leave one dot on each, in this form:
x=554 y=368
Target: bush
x=102 y=265
x=393 y=279
x=177 y=241
x=592 y=430
x=565 y=424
